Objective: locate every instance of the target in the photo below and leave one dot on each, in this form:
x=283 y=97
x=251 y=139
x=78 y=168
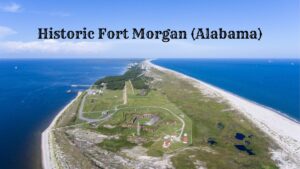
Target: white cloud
x=122 y=48
x=134 y=48
x=5 y=31
x=52 y=47
x=12 y=7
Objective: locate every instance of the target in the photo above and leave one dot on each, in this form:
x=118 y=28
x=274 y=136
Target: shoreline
x=258 y=104
x=281 y=129
x=46 y=146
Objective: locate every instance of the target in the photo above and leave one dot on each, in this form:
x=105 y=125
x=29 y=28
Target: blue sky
x=279 y=20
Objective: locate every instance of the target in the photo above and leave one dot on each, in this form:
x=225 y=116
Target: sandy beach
x=282 y=130
x=48 y=160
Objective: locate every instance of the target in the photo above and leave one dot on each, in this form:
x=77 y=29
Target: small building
x=94 y=91
x=167 y=141
x=185 y=138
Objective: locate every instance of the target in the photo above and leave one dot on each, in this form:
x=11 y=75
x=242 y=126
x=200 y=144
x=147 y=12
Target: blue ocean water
x=31 y=94
x=274 y=83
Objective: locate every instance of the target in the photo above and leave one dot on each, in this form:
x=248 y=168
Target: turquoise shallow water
x=32 y=93
x=274 y=83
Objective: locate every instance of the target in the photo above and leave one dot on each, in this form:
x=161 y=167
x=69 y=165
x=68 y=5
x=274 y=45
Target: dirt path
x=131 y=86
x=125 y=95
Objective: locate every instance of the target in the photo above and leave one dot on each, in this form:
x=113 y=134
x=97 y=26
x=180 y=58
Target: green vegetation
x=125 y=117
x=110 y=131
x=115 y=145
x=69 y=116
x=209 y=120
x=99 y=103
x=118 y=82
x=155 y=153
x=209 y=123
x=148 y=144
x=153 y=104
x=92 y=115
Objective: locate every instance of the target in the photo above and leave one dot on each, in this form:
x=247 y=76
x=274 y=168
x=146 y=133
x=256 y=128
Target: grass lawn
x=205 y=114
x=154 y=103
x=173 y=100
x=108 y=100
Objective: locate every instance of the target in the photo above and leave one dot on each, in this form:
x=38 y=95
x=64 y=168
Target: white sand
x=284 y=131
x=48 y=159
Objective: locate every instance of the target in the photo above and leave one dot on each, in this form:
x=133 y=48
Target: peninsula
x=153 y=117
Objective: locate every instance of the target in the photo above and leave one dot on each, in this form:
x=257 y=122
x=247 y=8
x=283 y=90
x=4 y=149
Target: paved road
x=81 y=112
x=116 y=109
x=81 y=117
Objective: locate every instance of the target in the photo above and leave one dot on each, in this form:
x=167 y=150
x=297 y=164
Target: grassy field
x=206 y=114
x=98 y=103
x=172 y=121
x=175 y=102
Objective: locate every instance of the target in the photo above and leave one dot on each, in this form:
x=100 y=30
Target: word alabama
x=142 y=33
